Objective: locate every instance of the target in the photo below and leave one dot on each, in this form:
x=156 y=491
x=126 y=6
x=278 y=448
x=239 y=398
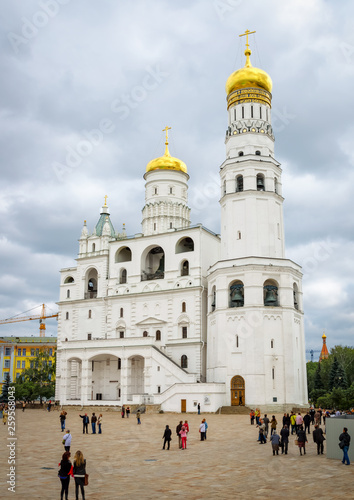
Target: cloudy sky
x=118 y=72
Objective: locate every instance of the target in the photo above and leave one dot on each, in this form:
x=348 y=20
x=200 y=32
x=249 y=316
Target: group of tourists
x=77 y=470
x=182 y=431
x=298 y=425
x=125 y=411
x=94 y=420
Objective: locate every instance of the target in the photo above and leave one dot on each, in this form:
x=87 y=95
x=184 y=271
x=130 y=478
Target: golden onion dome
x=166 y=162
x=248 y=77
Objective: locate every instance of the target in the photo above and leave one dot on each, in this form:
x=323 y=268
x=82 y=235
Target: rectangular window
x=158 y=368
x=19 y=352
x=89 y=314
x=17 y=375
x=18 y=364
x=184 y=332
x=121 y=335
x=32 y=364
x=154 y=226
x=158 y=389
x=243 y=112
x=32 y=352
x=23 y=352
x=89 y=336
x=273 y=373
x=50 y=352
x=251 y=111
x=7 y=363
x=23 y=364
x=7 y=351
x=235 y=114
x=50 y=363
x=119 y=364
x=37 y=351
x=260 y=112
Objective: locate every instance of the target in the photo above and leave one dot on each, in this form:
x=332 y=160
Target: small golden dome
x=324 y=336
x=248 y=77
x=166 y=162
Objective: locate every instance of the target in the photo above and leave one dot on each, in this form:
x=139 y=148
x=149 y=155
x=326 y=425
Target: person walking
x=284 y=434
x=64 y=474
x=266 y=425
x=183 y=434
x=127 y=411
x=49 y=405
x=202 y=430
x=62 y=418
x=301 y=439
x=178 y=428
x=99 y=421
x=318 y=438
x=206 y=428
x=67 y=440
x=261 y=437
x=138 y=417
x=167 y=437
x=186 y=425
x=123 y=411
x=252 y=417
x=79 y=471
x=344 y=443
x=293 y=423
x=23 y=406
x=85 y=422
x=198 y=408
x=93 y=423
x=312 y=415
x=299 y=421
x=257 y=415
x=307 y=422
x=275 y=440
x=273 y=425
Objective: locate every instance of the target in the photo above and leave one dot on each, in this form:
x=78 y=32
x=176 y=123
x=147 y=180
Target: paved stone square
x=127 y=460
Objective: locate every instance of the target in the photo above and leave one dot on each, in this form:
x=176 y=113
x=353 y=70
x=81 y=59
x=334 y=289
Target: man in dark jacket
x=318 y=438
x=178 y=428
x=345 y=439
x=93 y=423
x=284 y=435
x=85 y=423
x=312 y=415
x=167 y=437
x=307 y=421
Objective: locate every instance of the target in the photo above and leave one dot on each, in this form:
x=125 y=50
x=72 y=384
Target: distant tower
x=324 y=353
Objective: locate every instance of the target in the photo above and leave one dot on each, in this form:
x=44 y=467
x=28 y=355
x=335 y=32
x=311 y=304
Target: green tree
x=337 y=376
x=5 y=388
x=311 y=370
x=37 y=381
x=345 y=356
x=318 y=382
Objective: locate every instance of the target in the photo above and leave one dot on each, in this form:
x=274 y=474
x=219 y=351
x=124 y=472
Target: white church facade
x=177 y=315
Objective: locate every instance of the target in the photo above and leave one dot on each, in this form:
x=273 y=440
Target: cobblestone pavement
x=127 y=460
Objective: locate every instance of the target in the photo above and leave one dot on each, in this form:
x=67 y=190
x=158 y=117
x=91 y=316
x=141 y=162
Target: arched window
x=260 y=182
x=184 y=307
x=296 y=296
x=270 y=293
x=240 y=153
x=121 y=312
x=91 y=284
x=237 y=342
x=145 y=334
x=258 y=153
x=89 y=314
x=184 y=361
x=213 y=299
x=123 y=254
x=272 y=344
x=123 y=276
x=238 y=235
x=93 y=247
x=153 y=264
x=185 y=268
x=68 y=294
x=236 y=294
x=185 y=245
x=66 y=315
x=69 y=279
x=239 y=183
x=158 y=335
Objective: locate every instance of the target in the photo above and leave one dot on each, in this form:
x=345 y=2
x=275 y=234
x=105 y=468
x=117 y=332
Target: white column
x=124 y=380
x=86 y=382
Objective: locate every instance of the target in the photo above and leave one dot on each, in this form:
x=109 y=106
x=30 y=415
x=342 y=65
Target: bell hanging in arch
x=271 y=295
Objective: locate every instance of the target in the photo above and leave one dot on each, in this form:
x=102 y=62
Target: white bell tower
x=255 y=321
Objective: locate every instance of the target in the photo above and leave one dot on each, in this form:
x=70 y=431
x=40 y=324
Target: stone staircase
x=234 y=410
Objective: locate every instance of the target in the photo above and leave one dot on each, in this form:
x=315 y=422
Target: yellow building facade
x=16 y=354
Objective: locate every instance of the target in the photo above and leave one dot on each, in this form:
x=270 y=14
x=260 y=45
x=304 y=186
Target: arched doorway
x=237 y=391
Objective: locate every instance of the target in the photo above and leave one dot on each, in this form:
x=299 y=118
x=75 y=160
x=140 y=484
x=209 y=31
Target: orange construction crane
x=41 y=317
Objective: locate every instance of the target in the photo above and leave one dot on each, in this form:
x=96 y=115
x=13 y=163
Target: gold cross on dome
x=105 y=200
x=246 y=33
x=166 y=129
